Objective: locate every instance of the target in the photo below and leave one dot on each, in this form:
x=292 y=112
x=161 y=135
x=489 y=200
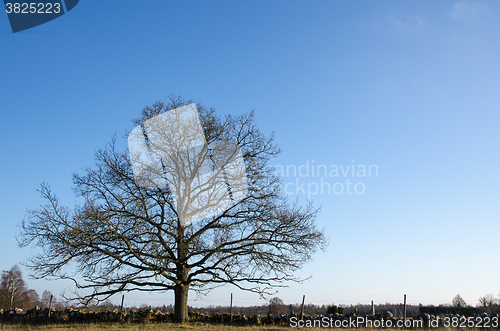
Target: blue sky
x=411 y=87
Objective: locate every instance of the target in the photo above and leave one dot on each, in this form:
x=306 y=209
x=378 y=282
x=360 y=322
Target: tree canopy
x=124 y=236
x=458 y=302
x=14 y=292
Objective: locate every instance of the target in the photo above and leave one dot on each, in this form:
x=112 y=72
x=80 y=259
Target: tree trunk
x=12 y=293
x=180 y=308
x=181 y=289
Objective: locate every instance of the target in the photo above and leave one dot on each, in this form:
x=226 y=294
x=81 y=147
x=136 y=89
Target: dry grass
x=144 y=327
x=172 y=327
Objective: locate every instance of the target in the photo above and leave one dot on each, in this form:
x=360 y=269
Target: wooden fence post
x=231 y=308
x=404 y=312
x=121 y=306
x=50 y=305
x=302 y=309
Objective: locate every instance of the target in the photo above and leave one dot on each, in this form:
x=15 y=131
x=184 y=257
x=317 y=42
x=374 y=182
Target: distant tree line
x=382 y=308
x=15 y=294
x=276 y=307
x=487 y=304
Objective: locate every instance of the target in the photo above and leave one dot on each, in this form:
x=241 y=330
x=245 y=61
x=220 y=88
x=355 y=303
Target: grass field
x=173 y=327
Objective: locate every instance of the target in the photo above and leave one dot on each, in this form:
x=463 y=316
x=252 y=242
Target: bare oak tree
x=458 y=301
x=124 y=236
x=487 y=302
x=276 y=306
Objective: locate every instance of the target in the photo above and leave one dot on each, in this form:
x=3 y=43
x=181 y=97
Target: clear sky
x=410 y=87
